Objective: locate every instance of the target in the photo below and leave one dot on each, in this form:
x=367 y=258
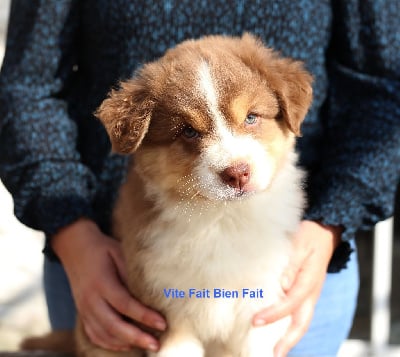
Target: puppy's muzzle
x=236 y=176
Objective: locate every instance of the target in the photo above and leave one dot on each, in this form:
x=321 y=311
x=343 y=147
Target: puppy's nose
x=236 y=175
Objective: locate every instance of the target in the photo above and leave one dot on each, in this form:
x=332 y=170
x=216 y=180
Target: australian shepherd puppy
x=212 y=200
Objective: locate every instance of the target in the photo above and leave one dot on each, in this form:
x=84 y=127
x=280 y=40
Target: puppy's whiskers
x=189 y=189
x=195 y=194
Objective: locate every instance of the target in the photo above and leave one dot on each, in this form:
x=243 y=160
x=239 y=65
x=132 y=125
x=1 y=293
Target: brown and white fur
x=214 y=196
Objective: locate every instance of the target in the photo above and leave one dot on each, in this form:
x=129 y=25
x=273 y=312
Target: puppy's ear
x=126 y=115
x=294 y=91
x=286 y=77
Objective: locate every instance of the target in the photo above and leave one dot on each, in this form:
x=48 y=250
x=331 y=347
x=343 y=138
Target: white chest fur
x=196 y=251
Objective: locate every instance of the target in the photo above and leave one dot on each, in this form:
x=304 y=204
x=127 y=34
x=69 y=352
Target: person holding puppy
x=63 y=57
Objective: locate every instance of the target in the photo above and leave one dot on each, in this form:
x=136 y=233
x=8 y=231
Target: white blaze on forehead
x=210 y=94
x=207 y=88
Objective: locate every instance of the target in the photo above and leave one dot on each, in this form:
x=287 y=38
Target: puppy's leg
x=56 y=341
x=218 y=350
x=98 y=352
x=179 y=343
x=260 y=341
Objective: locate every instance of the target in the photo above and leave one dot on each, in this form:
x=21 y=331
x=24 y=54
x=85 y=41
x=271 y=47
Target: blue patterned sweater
x=62 y=57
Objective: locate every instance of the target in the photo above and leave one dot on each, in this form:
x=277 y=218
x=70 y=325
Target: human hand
x=96 y=271
x=302 y=282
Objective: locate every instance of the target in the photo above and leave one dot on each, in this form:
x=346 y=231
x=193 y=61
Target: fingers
x=124 y=303
x=299 y=326
x=301 y=253
x=97 y=274
x=130 y=307
x=120 y=299
x=98 y=336
x=97 y=330
x=118 y=259
x=104 y=298
x=106 y=329
x=105 y=324
x=291 y=271
x=304 y=284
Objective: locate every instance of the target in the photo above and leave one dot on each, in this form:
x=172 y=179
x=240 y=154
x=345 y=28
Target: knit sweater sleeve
x=39 y=162
x=356 y=182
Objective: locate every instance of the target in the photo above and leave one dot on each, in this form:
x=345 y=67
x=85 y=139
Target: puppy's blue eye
x=190 y=133
x=251 y=119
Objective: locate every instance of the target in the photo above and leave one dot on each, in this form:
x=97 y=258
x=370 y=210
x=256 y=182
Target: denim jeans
x=60 y=303
x=330 y=326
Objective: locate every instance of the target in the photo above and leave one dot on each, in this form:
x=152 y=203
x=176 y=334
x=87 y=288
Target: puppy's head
x=214 y=118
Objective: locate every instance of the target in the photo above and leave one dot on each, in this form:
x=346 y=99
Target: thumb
x=119 y=261
x=292 y=269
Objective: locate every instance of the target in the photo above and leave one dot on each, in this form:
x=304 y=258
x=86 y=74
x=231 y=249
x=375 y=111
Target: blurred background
x=22 y=305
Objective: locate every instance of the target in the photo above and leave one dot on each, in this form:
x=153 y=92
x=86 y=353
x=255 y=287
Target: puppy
x=207 y=212
x=209 y=207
